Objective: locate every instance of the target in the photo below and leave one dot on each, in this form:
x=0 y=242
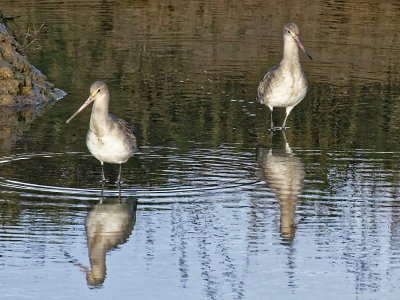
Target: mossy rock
x=21 y=83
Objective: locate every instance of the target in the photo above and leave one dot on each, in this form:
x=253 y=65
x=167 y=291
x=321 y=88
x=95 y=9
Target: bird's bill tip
x=308 y=54
x=300 y=45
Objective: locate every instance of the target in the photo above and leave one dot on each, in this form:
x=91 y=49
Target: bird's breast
x=286 y=89
x=110 y=146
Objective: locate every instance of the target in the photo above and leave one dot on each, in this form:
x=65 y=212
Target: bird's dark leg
x=272 y=120
x=272 y=138
x=102 y=193
x=119 y=175
x=102 y=172
x=284 y=138
x=119 y=193
x=288 y=110
x=284 y=122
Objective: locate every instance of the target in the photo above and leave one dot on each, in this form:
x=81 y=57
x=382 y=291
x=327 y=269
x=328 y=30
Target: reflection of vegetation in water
x=29 y=38
x=175 y=80
x=7 y=19
x=178 y=76
x=13 y=124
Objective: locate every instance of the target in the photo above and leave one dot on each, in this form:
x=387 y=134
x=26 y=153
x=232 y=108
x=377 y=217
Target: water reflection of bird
x=108 y=225
x=284 y=173
x=109 y=139
x=285 y=84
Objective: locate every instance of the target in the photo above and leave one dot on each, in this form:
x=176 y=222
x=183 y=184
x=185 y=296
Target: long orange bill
x=87 y=102
x=300 y=45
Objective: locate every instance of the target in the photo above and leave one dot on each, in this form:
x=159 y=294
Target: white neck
x=100 y=109
x=290 y=51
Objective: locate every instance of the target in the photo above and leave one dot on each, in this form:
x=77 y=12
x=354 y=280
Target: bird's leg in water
x=119 y=175
x=102 y=192
x=272 y=120
x=288 y=110
x=102 y=172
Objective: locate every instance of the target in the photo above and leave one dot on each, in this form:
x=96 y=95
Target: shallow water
x=212 y=206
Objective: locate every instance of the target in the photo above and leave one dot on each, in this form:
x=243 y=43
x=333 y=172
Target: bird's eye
x=288 y=31
x=98 y=90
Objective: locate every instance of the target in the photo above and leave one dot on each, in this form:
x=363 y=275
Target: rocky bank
x=21 y=84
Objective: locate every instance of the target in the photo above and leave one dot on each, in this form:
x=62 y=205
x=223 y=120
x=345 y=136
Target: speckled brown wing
x=265 y=84
x=127 y=128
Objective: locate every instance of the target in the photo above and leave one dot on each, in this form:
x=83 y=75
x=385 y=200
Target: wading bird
x=285 y=84
x=109 y=139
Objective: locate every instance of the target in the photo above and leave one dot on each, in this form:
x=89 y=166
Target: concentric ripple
x=155 y=172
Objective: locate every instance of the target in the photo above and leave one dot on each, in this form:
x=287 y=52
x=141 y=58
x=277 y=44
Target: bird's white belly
x=288 y=92
x=108 y=148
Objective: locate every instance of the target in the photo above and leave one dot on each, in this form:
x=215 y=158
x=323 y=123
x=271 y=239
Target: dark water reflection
x=213 y=216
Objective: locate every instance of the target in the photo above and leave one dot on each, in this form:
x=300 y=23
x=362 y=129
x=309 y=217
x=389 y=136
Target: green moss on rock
x=21 y=84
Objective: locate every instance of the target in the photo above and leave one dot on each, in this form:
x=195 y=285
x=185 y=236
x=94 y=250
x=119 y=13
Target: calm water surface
x=213 y=206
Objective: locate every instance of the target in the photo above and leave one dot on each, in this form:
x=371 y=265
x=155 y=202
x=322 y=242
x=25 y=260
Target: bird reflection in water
x=284 y=173
x=108 y=225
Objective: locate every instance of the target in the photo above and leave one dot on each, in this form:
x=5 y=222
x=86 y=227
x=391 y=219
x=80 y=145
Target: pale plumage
x=285 y=84
x=109 y=139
